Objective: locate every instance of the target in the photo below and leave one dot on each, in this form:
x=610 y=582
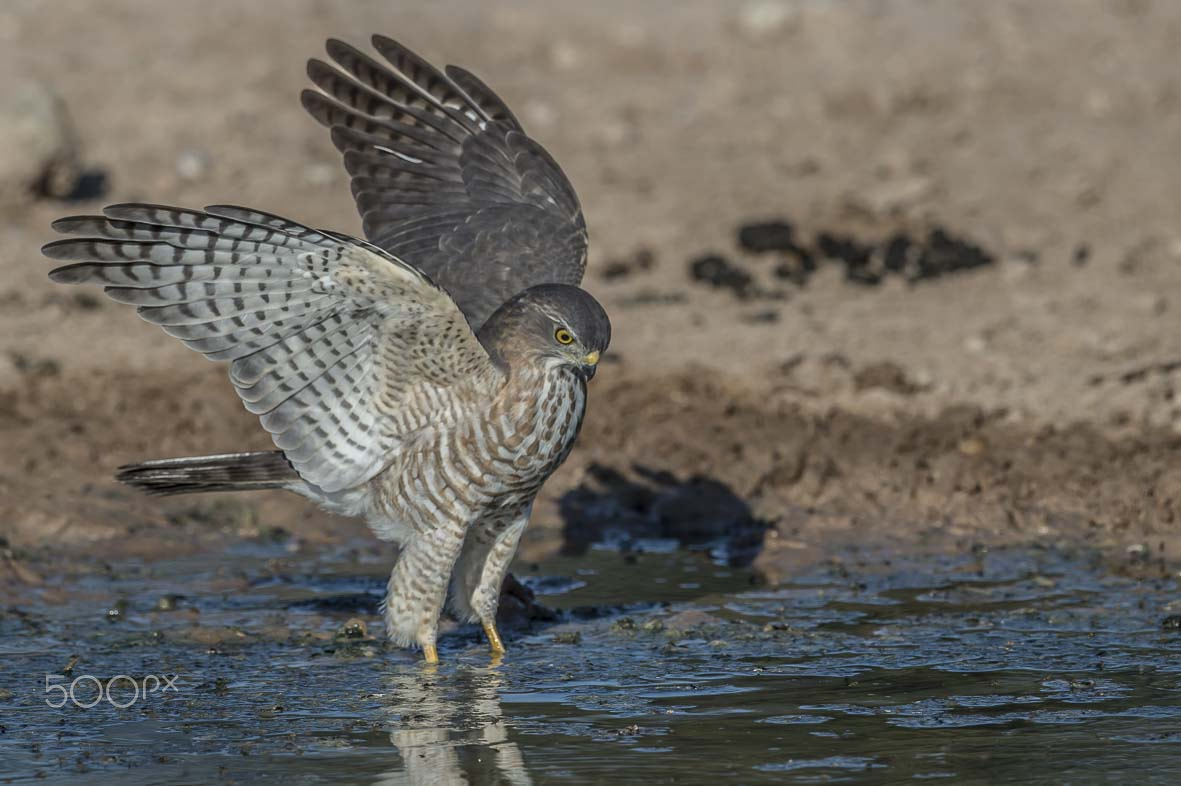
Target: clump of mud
x=911 y=255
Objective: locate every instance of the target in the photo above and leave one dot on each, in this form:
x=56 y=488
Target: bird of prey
x=430 y=378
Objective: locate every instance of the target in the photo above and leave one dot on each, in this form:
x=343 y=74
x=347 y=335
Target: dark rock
x=945 y=253
x=354 y=628
x=864 y=262
x=91 y=184
x=568 y=637
x=853 y=254
x=718 y=272
x=691 y=620
x=844 y=248
x=901 y=254
x=615 y=269
x=884 y=376
x=650 y=297
x=761 y=318
x=1171 y=622
x=797 y=266
x=35 y=367
x=86 y=301
x=642 y=259
x=624 y=624
x=168 y=602
x=767 y=236
x=519 y=608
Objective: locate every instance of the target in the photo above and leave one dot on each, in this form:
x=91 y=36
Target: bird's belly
x=530 y=438
x=497 y=461
x=529 y=457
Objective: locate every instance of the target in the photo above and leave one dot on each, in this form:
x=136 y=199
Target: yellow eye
x=564 y=336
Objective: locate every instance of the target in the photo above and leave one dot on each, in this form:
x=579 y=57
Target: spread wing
x=342 y=349
x=445 y=177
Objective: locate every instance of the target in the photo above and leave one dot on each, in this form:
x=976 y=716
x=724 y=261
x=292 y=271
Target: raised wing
x=342 y=349
x=445 y=177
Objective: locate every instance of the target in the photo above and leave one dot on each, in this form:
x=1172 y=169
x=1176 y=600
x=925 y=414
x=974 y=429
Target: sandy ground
x=1028 y=399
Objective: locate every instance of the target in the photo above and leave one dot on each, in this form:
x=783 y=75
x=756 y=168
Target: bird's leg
x=494 y=638
x=418 y=587
x=485 y=596
x=475 y=586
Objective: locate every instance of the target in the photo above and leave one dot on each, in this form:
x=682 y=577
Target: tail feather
x=227 y=472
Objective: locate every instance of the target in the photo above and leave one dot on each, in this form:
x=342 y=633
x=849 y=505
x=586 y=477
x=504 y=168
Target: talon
x=494 y=638
x=429 y=654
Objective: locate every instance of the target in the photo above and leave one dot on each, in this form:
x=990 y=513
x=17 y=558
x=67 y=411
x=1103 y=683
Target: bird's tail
x=266 y=469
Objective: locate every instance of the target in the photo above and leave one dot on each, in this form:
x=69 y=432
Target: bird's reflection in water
x=448 y=728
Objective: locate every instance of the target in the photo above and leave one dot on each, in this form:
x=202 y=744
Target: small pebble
x=763 y=19
x=624 y=624
x=354 y=628
x=972 y=446
x=191 y=164
x=761 y=318
x=167 y=602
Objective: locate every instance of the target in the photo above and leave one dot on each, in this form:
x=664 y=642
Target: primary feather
x=326 y=334
x=445 y=177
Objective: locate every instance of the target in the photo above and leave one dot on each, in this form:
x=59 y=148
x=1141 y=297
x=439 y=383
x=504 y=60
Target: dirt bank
x=690 y=456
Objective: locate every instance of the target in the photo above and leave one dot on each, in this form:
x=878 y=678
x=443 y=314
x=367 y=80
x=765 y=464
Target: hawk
x=430 y=378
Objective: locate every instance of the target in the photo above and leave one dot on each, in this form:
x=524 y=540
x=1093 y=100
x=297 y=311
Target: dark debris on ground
x=912 y=256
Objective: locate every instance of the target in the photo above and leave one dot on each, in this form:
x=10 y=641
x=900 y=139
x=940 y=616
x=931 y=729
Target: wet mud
x=771 y=466
x=655 y=661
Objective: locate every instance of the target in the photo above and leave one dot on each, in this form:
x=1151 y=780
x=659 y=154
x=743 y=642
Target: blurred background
x=907 y=258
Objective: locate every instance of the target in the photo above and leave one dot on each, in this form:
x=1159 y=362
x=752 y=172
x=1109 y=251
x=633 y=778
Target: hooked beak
x=589 y=363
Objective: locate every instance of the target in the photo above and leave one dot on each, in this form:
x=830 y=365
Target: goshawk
x=430 y=379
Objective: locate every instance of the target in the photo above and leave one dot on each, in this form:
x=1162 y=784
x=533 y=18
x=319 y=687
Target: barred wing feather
x=342 y=349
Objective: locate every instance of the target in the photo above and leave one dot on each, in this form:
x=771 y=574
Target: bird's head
x=554 y=325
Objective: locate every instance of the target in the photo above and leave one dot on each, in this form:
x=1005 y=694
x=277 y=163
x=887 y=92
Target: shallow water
x=1011 y=666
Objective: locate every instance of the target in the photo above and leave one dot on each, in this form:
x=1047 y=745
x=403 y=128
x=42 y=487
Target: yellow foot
x=429 y=654
x=494 y=639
